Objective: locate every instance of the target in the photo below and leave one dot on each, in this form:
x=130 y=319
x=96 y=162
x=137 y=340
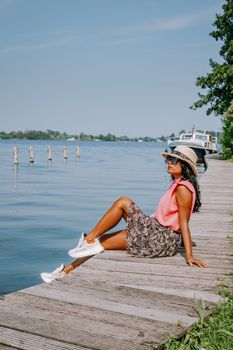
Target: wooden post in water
x=78 y=151
x=65 y=151
x=49 y=153
x=16 y=155
x=31 y=156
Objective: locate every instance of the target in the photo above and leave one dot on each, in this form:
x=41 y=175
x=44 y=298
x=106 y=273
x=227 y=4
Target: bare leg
x=111 y=241
x=118 y=211
x=75 y=264
x=114 y=241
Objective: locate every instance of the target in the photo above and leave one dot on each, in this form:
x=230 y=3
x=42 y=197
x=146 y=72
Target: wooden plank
x=144 y=268
x=6 y=347
x=146 y=297
x=176 y=260
x=139 y=323
x=81 y=325
x=184 y=293
x=97 y=301
x=25 y=341
x=169 y=280
x=130 y=278
x=91 y=334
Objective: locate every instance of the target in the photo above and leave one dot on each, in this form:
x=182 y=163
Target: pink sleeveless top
x=166 y=212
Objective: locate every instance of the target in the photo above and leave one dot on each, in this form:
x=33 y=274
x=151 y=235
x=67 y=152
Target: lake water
x=45 y=206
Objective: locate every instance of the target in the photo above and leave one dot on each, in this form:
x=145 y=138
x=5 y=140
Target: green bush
x=227 y=135
x=216 y=333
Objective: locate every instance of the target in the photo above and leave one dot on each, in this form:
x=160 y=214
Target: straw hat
x=186 y=154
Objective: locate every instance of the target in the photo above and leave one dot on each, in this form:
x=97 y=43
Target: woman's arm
x=184 y=203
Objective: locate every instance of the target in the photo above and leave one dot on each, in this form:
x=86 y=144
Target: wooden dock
x=117 y=302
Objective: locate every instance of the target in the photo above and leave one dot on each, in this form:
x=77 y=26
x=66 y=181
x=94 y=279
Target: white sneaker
x=80 y=242
x=86 y=249
x=55 y=275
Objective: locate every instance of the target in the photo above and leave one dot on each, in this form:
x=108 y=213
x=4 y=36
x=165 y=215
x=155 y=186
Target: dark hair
x=188 y=174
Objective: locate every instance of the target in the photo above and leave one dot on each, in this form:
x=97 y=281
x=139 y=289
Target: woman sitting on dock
x=146 y=236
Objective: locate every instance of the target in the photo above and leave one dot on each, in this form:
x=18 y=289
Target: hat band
x=183 y=156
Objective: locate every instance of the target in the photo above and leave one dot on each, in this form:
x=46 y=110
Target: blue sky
x=127 y=67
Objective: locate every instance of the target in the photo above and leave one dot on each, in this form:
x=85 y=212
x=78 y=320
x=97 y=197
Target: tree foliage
x=34 y=135
x=218 y=84
x=227 y=135
x=56 y=135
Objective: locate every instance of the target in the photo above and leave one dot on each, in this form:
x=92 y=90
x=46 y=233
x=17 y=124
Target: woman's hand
x=193 y=261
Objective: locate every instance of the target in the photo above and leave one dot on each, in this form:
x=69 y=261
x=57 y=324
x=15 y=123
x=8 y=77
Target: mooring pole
x=16 y=155
x=78 y=151
x=65 y=151
x=31 y=157
x=49 y=153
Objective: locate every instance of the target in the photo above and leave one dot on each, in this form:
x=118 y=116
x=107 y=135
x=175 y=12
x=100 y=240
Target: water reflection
x=16 y=176
x=49 y=163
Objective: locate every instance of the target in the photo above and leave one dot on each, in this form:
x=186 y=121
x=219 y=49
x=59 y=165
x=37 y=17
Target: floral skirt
x=147 y=238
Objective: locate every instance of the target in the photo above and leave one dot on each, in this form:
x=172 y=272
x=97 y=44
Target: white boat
x=71 y=139
x=201 y=142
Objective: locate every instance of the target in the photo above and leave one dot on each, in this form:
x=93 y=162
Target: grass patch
x=215 y=333
x=229 y=274
x=229 y=237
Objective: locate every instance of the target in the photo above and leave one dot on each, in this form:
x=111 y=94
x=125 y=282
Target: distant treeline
x=56 y=135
